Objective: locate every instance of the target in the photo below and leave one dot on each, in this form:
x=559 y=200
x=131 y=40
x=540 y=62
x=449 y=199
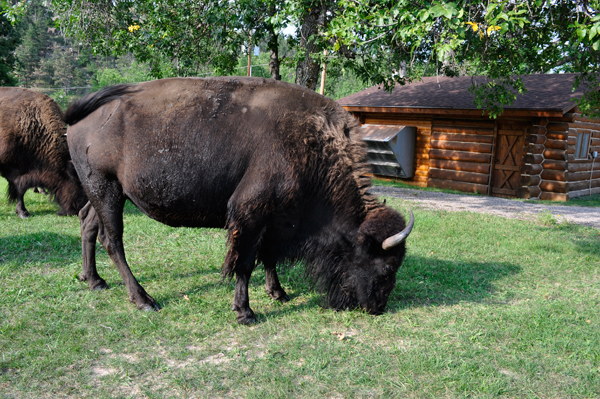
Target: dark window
x=583 y=145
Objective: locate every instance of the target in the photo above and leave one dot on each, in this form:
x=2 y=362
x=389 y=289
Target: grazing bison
x=278 y=165
x=34 y=152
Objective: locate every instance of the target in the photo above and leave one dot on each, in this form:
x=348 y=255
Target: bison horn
x=396 y=239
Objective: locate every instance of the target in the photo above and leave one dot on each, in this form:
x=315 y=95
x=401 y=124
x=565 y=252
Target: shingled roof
x=552 y=92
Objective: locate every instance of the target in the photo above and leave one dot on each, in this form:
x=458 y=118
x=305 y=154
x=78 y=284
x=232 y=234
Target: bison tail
x=88 y=104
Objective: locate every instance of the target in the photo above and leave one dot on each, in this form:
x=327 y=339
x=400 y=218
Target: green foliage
x=8 y=42
x=500 y=39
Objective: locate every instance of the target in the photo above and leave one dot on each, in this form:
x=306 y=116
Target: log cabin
x=540 y=147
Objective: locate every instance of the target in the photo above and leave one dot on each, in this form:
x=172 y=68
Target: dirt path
x=586 y=216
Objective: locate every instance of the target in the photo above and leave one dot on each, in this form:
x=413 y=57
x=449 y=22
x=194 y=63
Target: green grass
x=588 y=200
x=484 y=307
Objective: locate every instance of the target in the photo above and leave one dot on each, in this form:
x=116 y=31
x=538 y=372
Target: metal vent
x=391 y=149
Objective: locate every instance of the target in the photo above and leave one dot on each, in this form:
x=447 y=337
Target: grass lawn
x=484 y=307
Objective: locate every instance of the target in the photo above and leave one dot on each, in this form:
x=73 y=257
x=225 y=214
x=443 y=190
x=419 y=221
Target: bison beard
x=33 y=150
x=281 y=167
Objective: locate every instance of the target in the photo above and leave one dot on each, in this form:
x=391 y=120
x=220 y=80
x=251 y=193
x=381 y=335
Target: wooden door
x=508 y=159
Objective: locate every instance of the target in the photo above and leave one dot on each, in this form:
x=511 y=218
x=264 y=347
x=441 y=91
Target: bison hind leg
x=15 y=194
x=272 y=284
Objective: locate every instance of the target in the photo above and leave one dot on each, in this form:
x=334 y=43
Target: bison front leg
x=90 y=228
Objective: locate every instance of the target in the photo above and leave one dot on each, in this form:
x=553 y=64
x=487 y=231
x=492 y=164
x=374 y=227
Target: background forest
x=65 y=68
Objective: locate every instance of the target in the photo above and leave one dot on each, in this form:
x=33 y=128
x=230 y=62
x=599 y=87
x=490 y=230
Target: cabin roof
x=551 y=92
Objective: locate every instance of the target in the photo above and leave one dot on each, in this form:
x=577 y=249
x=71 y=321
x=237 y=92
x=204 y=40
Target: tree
x=500 y=39
x=35 y=43
x=189 y=33
x=8 y=42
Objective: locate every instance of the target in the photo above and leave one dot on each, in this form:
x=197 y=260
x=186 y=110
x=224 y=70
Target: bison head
x=369 y=274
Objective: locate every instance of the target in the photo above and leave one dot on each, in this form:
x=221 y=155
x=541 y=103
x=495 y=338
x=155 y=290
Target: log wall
x=422 y=145
x=533 y=159
x=460 y=155
x=582 y=175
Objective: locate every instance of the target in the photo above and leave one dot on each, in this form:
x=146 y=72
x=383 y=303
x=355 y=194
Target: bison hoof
x=246 y=320
x=280 y=296
x=23 y=214
x=99 y=286
x=244 y=316
x=148 y=307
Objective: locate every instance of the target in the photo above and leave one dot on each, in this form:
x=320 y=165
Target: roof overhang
x=548 y=113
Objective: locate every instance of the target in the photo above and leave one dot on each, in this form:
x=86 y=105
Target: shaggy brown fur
x=278 y=165
x=34 y=151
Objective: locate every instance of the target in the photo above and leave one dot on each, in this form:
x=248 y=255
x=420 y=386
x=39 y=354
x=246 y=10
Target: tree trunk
x=273 y=46
x=307 y=70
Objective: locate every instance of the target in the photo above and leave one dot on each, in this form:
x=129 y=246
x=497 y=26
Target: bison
x=279 y=166
x=34 y=152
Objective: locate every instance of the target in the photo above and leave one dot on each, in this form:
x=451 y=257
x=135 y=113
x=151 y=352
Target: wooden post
x=322 y=91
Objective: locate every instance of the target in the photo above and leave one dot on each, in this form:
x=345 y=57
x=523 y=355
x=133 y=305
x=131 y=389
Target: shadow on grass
x=62 y=248
x=434 y=282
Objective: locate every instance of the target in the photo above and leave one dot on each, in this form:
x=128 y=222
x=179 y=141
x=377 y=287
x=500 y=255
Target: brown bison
x=278 y=165
x=34 y=152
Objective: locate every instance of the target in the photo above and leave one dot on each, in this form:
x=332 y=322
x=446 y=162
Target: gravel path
x=586 y=216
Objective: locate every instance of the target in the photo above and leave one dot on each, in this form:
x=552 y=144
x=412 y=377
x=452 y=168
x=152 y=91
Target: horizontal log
x=569 y=117
x=460 y=156
x=557 y=175
x=571 y=150
x=572 y=140
x=455 y=185
x=537 y=130
x=557 y=127
x=539 y=121
x=560 y=155
x=462 y=166
x=533 y=158
x=583 y=166
x=463 y=130
x=467 y=138
x=422 y=156
x=422 y=167
x=584 y=175
x=595 y=141
x=554 y=164
x=528 y=192
x=464 y=122
x=557 y=136
x=585 y=125
x=458 y=146
x=582 y=185
x=529 y=180
x=554 y=186
x=535 y=148
x=556 y=144
x=457 y=175
x=549 y=196
x=531 y=169
x=585 y=191
x=578 y=117
x=535 y=138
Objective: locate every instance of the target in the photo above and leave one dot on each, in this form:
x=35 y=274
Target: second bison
x=34 y=152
